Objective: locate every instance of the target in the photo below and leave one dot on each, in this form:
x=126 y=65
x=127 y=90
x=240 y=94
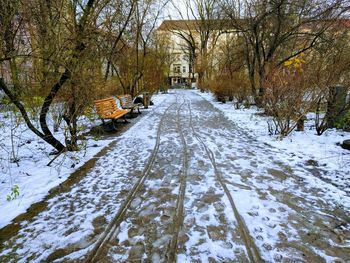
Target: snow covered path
x=186 y=183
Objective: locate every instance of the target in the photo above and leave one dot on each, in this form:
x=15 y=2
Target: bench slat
x=107 y=109
x=126 y=102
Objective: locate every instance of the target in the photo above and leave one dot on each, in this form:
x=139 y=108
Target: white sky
x=172 y=12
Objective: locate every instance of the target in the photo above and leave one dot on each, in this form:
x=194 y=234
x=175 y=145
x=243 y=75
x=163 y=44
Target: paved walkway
x=187 y=185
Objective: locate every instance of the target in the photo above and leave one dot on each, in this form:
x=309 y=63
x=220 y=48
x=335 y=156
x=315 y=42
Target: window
x=184 y=69
x=177 y=68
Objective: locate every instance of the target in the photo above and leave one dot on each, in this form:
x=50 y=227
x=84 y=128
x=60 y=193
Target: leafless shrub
x=288 y=98
x=233 y=87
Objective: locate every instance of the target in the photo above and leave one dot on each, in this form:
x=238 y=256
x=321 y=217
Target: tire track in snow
x=99 y=247
x=179 y=212
x=252 y=250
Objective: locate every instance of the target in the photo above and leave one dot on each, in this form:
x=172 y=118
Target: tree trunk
x=260 y=98
x=108 y=69
x=300 y=123
x=45 y=109
x=336 y=105
x=252 y=82
x=46 y=137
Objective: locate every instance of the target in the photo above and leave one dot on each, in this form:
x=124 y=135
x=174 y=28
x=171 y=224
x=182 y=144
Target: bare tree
x=331 y=79
x=56 y=40
x=276 y=31
x=129 y=67
x=200 y=29
x=119 y=15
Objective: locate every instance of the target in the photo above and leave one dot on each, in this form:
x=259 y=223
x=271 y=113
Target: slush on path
x=185 y=184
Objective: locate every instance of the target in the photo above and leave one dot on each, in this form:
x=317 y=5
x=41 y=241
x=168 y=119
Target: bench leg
x=131 y=114
x=125 y=120
x=114 y=124
x=105 y=125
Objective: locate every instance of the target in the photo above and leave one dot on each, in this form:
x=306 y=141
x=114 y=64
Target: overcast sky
x=172 y=12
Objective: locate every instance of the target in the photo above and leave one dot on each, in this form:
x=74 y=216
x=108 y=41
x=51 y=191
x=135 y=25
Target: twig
x=64 y=150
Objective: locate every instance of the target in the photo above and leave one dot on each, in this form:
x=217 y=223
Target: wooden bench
x=126 y=102
x=107 y=109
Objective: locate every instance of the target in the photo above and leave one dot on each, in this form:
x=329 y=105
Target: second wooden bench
x=126 y=102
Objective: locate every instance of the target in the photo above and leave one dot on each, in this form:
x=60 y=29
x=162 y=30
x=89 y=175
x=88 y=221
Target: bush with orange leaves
x=288 y=96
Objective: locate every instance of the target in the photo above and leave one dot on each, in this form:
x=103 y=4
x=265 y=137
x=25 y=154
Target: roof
x=168 y=25
x=193 y=24
x=177 y=24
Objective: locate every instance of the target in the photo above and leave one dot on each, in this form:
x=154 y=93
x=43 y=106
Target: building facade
x=182 y=65
x=195 y=48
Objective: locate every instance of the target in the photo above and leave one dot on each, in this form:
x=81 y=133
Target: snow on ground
x=302 y=147
x=31 y=173
x=71 y=219
x=291 y=215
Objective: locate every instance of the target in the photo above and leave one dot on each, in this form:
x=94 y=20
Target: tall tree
x=137 y=42
x=203 y=27
x=276 y=31
x=56 y=40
